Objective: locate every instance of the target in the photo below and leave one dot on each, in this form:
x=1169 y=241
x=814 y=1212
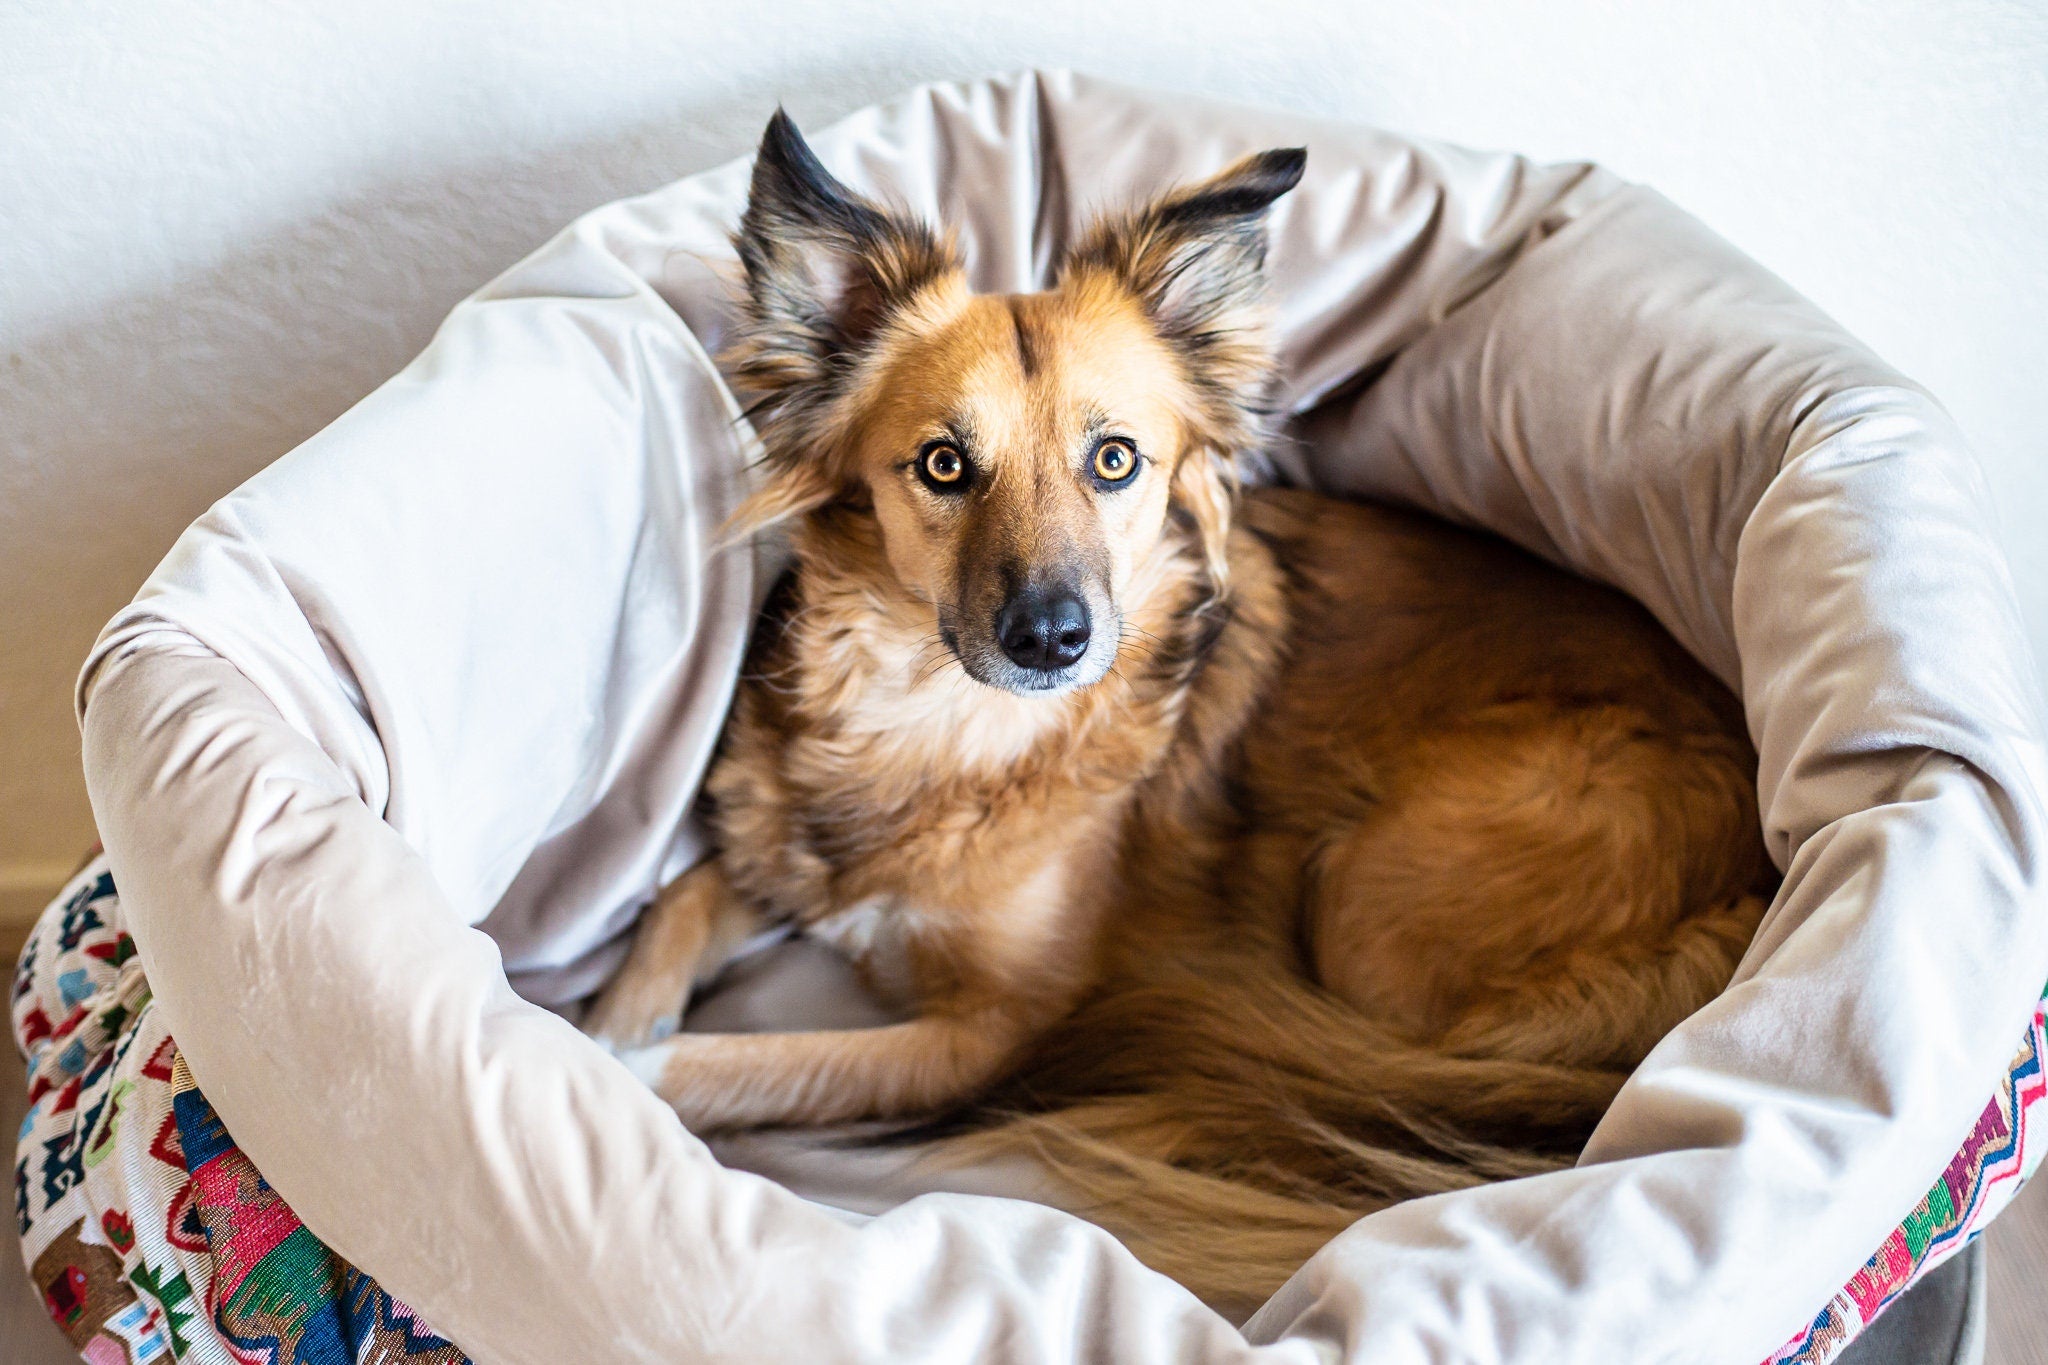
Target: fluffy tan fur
x=1372 y=860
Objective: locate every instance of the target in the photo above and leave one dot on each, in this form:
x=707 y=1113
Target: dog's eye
x=1114 y=461
x=943 y=466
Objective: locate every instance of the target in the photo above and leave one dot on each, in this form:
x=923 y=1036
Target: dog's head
x=1021 y=455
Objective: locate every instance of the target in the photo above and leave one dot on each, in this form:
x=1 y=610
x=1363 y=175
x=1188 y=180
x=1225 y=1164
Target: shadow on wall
x=172 y=397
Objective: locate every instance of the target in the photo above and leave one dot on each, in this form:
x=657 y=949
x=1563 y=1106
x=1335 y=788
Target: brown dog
x=1256 y=860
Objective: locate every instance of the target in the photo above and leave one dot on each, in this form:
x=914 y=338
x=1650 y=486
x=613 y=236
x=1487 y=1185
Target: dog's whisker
x=1135 y=629
x=930 y=670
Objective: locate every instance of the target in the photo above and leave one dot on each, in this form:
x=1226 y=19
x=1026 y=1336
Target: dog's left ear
x=1195 y=260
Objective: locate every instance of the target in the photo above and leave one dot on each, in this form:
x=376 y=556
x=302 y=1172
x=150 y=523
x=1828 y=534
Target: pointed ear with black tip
x=1195 y=261
x=825 y=268
x=1195 y=258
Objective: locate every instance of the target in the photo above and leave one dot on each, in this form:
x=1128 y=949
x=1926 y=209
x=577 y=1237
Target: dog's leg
x=683 y=938
x=1546 y=883
x=736 y=1080
x=1607 y=1006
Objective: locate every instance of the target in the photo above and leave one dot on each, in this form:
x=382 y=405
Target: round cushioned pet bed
x=393 y=747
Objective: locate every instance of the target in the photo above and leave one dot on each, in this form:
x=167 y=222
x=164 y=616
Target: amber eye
x=942 y=464
x=1114 y=461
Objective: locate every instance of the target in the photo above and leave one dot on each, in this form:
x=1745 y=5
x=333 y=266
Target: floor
x=2017 y=1257
x=2017 y=1260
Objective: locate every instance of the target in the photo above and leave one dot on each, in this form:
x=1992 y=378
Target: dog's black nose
x=1043 y=630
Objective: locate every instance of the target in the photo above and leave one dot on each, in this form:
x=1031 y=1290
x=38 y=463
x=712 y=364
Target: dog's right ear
x=824 y=269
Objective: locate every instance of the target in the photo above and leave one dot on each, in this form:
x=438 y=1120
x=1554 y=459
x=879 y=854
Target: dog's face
x=1020 y=454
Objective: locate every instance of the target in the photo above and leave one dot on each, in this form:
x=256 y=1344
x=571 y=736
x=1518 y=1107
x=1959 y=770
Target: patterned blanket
x=151 y=1237
x=149 y=1234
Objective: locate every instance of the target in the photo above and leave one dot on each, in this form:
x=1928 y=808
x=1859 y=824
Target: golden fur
x=1351 y=857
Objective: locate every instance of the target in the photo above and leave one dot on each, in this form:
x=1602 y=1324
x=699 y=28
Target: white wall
x=222 y=221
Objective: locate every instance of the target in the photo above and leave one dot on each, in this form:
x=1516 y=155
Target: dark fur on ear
x=1195 y=259
x=825 y=267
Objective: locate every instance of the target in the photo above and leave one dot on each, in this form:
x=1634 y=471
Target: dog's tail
x=1242 y=1117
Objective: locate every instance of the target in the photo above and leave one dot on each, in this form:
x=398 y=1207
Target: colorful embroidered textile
x=148 y=1233
x=2001 y=1152
x=151 y=1237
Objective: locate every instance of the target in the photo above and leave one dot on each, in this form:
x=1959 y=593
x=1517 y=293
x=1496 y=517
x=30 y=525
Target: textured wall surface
x=221 y=223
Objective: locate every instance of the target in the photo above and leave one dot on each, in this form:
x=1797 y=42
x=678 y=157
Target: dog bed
x=391 y=749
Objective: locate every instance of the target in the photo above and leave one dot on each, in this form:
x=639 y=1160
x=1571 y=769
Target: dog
x=1252 y=858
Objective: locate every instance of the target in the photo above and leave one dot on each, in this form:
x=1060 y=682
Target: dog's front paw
x=675 y=1069
x=632 y=1013
x=649 y=1063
